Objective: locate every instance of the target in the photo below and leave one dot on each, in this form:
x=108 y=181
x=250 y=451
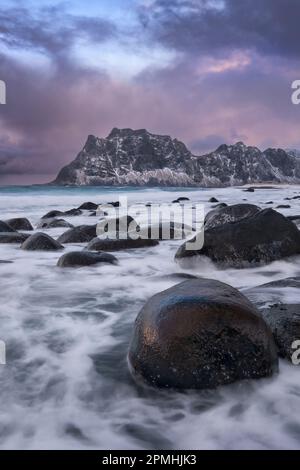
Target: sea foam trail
x=66 y=383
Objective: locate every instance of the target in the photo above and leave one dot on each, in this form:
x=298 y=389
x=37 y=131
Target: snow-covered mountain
x=137 y=157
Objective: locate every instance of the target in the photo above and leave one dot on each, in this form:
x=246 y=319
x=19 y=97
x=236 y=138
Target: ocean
x=66 y=383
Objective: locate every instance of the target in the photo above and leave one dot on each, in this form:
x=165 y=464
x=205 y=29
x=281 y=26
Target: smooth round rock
x=262 y=238
x=20 y=223
x=54 y=223
x=41 y=242
x=98 y=244
x=200 y=334
x=84 y=258
x=52 y=214
x=225 y=215
x=80 y=234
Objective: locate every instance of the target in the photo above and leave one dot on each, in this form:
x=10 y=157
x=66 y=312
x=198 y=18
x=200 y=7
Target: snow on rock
x=139 y=158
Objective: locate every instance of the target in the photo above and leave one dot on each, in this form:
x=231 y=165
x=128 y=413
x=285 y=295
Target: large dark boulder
x=19 y=223
x=200 y=334
x=224 y=215
x=80 y=234
x=5 y=228
x=84 y=258
x=41 y=242
x=284 y=322
x=262 y=238
x=13 y=237
x=98 y=244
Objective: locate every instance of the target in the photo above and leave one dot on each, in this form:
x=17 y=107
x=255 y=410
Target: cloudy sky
x=204 y=71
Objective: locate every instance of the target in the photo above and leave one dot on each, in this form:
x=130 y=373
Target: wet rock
x=98 y=244
x=262 y=238
x=200 y=334
x=54 y=223
x=80 y=234
x=224 y=215
x=294 y=217
x=180 y=199
x=284 y=322
x=88 y=206
x=20 y=223
x=73 y=212
x=85 y=258
x=13 y=237
x=283 y=206
x=249 y=190
x=5 y=228
x=53 y=214
x=213 y=199
x=41 y=242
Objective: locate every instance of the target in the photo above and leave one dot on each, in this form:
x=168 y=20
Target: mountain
x=293 y=152
x=139 y=158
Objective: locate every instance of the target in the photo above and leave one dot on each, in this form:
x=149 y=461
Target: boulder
x=80 y=234
x=53 y=214
x=19 y=223
x=54 y=223
x=88 y=206
x=5 y=228
x=73 y=212
x=284 y=206
x=41 y=242
x=98 y=244
x=213 y=199
x=284 y=322
x=224 y=215
x=262 y=238
x=200 y=334
x=180 y=199
x=84 y=258
x=13 y=237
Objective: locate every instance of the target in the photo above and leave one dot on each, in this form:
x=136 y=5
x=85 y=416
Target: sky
x=204 y=71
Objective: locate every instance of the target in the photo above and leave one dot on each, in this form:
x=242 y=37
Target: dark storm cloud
x=267 y=26
x=231 y=80
x=50 y=30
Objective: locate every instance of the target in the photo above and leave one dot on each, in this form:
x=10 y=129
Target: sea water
x=66 y=384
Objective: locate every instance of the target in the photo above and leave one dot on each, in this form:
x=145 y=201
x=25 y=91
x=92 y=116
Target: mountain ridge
x=139 y=158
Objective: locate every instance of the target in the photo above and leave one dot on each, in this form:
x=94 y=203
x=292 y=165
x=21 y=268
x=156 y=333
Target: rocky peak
x=137 y=157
